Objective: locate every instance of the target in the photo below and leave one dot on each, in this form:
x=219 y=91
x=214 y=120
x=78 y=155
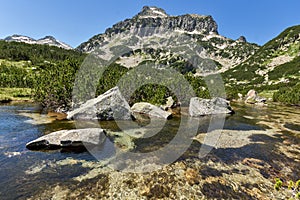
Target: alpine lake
x=257 y=145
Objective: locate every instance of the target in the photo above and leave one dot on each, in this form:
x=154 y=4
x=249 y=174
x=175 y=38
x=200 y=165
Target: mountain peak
x=48 y=37
x=242 y=39
x=47 y=40
x=152 y=12
x=159 y=22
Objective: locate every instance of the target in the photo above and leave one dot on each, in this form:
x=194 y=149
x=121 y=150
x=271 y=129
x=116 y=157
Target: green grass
x=15 y=94
x=267 y=93
x=20 y=64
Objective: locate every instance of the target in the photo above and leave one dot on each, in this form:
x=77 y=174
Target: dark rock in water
x=200 y=107
x=77 y=138
x=151 y=110
x=109 y=106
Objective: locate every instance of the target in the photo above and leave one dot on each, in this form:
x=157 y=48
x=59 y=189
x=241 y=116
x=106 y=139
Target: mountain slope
x=275 y=62
x=48 y=40
x=226 y=52
x=35 y=53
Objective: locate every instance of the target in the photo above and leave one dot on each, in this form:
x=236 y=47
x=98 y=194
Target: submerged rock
x=76 y=138
x=109 y=106
x=200 y=107
x=152 y=110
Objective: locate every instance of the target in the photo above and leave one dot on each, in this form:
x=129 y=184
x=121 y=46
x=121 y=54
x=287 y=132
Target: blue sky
x=75 y=22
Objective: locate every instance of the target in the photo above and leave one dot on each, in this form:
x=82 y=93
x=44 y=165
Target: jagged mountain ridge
x=225 y=51
x=48 y=40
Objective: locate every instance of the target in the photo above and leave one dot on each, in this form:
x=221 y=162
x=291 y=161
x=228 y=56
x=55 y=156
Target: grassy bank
x=15 y=94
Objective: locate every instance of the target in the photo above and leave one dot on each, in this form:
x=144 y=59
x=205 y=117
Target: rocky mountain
x=224 y=51
x=48 y=40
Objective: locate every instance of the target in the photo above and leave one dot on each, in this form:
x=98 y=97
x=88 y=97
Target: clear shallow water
x=18 y=165
x=15 y=159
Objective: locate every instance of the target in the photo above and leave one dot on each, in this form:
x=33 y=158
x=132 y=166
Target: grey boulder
x=252 y=97
x=151 y=110
x=170 y=103
x=200 y=107
x=109 y=106
x=68 y=139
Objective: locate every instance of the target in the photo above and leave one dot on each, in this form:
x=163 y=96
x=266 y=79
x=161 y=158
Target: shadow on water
x=264 y=149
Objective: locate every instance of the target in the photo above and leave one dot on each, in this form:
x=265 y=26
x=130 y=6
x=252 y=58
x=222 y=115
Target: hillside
x=38 y=67
x=275 y=65
x=35 y=53
x=157 y=37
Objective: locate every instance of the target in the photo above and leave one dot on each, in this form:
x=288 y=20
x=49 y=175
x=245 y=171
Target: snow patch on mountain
x=48 y=40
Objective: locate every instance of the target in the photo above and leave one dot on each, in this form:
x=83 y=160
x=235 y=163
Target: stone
x=240 y=96
x=192 y=176
x=122 y=139
x=151 y=110
x=200 y=107
x=260 y=99
x=169 y=104
x=109 y=106
x=76 y=138
x=252 y=97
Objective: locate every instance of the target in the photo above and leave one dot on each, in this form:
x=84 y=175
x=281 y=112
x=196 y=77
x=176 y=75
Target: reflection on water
x=24 y=173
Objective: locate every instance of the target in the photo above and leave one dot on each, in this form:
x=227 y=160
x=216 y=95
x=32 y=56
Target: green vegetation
x=14 y=75
x=294 y=187
x=16 y=94
x=290 y=95
x=46 y=71
x=152 y=93
x=148 y=92
x=54 y=84
x=278 y=184
x=49 y=72
x=287 y=70
x=35 y=53
x=282 y=80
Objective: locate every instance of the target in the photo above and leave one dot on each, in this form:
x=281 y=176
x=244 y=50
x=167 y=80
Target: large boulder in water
x=151 y=110
x=108 y=106
x=200 y=107
x=77 y=138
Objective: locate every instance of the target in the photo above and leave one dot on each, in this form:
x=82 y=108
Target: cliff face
x=157 y=18
x=159 y=22
x=224 y=51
